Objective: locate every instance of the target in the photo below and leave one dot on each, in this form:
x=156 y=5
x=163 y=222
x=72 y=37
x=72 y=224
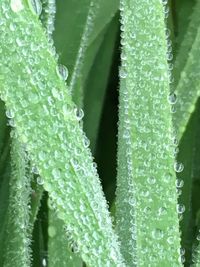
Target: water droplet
x=173 y=109
x=44 y=262
x=86 y=142
x=178 y=166
x=172 y=98
x=170 y=240
x=57 y=93
x=151 y=180
x=33 y=98
x=162 y=211
x=182 y=251
x=198 y=237
x=75 y=164
x=62 y=72
x=40 y=181
x=56 y=173
x=180 y=208
x=179 y=183
x=9 y=114
x=79 y=113
x=167 y=178
x=123 y=74
x=35 y=6
x=147 y=210
x=34 y=170
x=157 y=234
x=42 y=155
x=16 y=5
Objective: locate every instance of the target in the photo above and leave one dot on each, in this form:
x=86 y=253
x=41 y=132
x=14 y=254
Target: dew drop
x=173 y=109
x=44 y=262
x=151 y=180
x=167 y=178
x=57 y=93
x=180 y=208
x=40 y=181
x=172 y=98
x=62 y=72
x=198 y=237
x=162 y=211
x=33 y=98
x=56 y=173
x=34 y=170
x=16 y=5
x=123 y=74
x=79 y=113
x=75 y=164
x=179 y=183
x=42 y=155
x=147 y=210
x=157 y=234
x=178 y=167
x=182 y=251
x=86 y=142
x=170 y=240
x=9 y=114
x=35 y=6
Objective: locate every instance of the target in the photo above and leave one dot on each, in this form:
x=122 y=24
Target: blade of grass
x=187 y=43
x=4 y=191
x=40 y=115
x=95 y=91
x=187 y=155
x=189 y=80
x=182 y=12
x=186 y=71
x=40 y=235
x=59 y=254
x=195 y=193
x=17 y=251
x=3 y=129
x=146 y=201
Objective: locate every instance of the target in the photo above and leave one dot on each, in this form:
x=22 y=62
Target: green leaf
x=59 y=253
x=96 y=84
x=182 y=12
x=187 y=155
x=41 y=106
x=4 y=191
x=17 y=251
x=186 y=73
x=146 y=204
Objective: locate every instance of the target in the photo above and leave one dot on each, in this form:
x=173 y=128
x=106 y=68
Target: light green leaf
x=17 y=251
x=47 y=122
x=146 y=204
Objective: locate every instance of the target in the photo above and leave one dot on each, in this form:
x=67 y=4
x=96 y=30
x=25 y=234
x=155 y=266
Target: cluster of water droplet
x=48 y=124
